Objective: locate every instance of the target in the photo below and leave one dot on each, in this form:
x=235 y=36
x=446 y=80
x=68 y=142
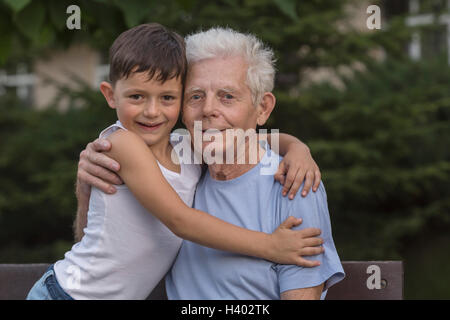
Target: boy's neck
x=162 y=151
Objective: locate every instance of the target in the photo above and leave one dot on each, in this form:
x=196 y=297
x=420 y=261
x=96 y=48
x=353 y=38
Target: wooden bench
x=365 y=280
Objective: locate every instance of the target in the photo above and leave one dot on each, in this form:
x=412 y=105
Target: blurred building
x=34 y=81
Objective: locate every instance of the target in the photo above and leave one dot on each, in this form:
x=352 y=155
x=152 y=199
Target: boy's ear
x=265 y=108
x=108 y=92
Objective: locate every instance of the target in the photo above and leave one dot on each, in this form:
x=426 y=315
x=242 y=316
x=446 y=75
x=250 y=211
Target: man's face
x=217 y=95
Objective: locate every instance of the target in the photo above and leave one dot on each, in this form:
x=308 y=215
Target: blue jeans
x=48 y=288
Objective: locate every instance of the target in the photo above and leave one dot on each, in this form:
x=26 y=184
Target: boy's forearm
x=284 y=141
x=209 y=231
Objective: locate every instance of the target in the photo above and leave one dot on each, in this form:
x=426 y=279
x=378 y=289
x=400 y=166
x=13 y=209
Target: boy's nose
x=151 y=110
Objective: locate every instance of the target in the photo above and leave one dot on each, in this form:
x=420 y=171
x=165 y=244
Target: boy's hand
x=96 y=169
x=296 y=166
x=289 y=246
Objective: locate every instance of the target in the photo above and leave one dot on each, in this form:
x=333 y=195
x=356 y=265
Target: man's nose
x=210 y=107
x=152 y=109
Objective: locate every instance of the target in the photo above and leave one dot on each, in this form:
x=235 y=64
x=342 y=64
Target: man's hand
x=296 y=166
x=96 y=169
x=289 y=246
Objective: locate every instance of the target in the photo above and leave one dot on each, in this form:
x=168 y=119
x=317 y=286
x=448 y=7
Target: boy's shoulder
x=123 y=136
x=112 y=128
x=125 y=143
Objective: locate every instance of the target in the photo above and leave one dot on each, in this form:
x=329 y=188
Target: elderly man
x=229 y=84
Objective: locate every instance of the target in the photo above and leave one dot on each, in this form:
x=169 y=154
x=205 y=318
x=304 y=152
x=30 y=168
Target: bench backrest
x=365 y=280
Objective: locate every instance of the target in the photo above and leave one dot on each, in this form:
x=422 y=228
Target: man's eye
x=228 y=96
x=168 y=98
x=195 y=97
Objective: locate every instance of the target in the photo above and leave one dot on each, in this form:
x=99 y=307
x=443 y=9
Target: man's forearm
x=81 y=218
x=312 y=293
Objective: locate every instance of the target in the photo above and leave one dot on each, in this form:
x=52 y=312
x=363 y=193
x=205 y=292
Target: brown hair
x=148 y=47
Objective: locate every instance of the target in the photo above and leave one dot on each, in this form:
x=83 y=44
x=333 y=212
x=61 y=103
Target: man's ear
x=108 y=92
x=265 y=107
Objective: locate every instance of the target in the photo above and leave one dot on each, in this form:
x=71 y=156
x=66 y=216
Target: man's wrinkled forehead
x=203 y=89
x=227 y=74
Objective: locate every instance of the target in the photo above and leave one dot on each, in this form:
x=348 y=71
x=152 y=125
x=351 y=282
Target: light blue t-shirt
x=252 y=201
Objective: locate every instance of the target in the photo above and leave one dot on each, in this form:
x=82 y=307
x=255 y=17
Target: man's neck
x=231 y=171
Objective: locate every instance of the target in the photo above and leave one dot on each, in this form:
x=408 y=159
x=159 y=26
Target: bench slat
x=16 y=281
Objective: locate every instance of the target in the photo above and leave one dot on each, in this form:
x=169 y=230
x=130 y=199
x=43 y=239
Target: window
x=431 y=22
x=17 y=79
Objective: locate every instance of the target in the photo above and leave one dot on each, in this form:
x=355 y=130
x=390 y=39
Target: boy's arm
x=142 y=175
x=297 y=165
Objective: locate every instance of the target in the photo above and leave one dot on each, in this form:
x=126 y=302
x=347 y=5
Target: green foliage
x=382 y=145
x=38 y=163
x=32 y=27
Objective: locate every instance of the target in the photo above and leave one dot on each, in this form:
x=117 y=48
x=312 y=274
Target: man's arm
x=312 y=293
x=83 y=195
x=94 y=169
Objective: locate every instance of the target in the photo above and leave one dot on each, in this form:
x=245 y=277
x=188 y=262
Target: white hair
x=221 y=42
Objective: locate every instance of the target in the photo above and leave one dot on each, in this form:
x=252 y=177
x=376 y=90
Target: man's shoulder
x=301 y=206
x=312 y=196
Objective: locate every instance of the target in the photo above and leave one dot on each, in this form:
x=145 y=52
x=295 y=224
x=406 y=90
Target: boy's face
x=148 y=108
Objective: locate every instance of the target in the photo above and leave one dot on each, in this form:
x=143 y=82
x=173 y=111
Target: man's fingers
x=309 y=179
x=100 y=145
x=100 y=172
x=96 y=182
x=102 y=160
x=317 y=179
x=93 y=153
x=306 y=263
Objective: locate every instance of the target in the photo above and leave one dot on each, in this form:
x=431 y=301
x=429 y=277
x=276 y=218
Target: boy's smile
x=149 y=127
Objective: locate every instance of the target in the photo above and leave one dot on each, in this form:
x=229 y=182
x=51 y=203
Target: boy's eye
x=168 y=98
x=135 y=96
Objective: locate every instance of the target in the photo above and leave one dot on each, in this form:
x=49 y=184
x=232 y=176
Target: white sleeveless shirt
x=125 y=251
